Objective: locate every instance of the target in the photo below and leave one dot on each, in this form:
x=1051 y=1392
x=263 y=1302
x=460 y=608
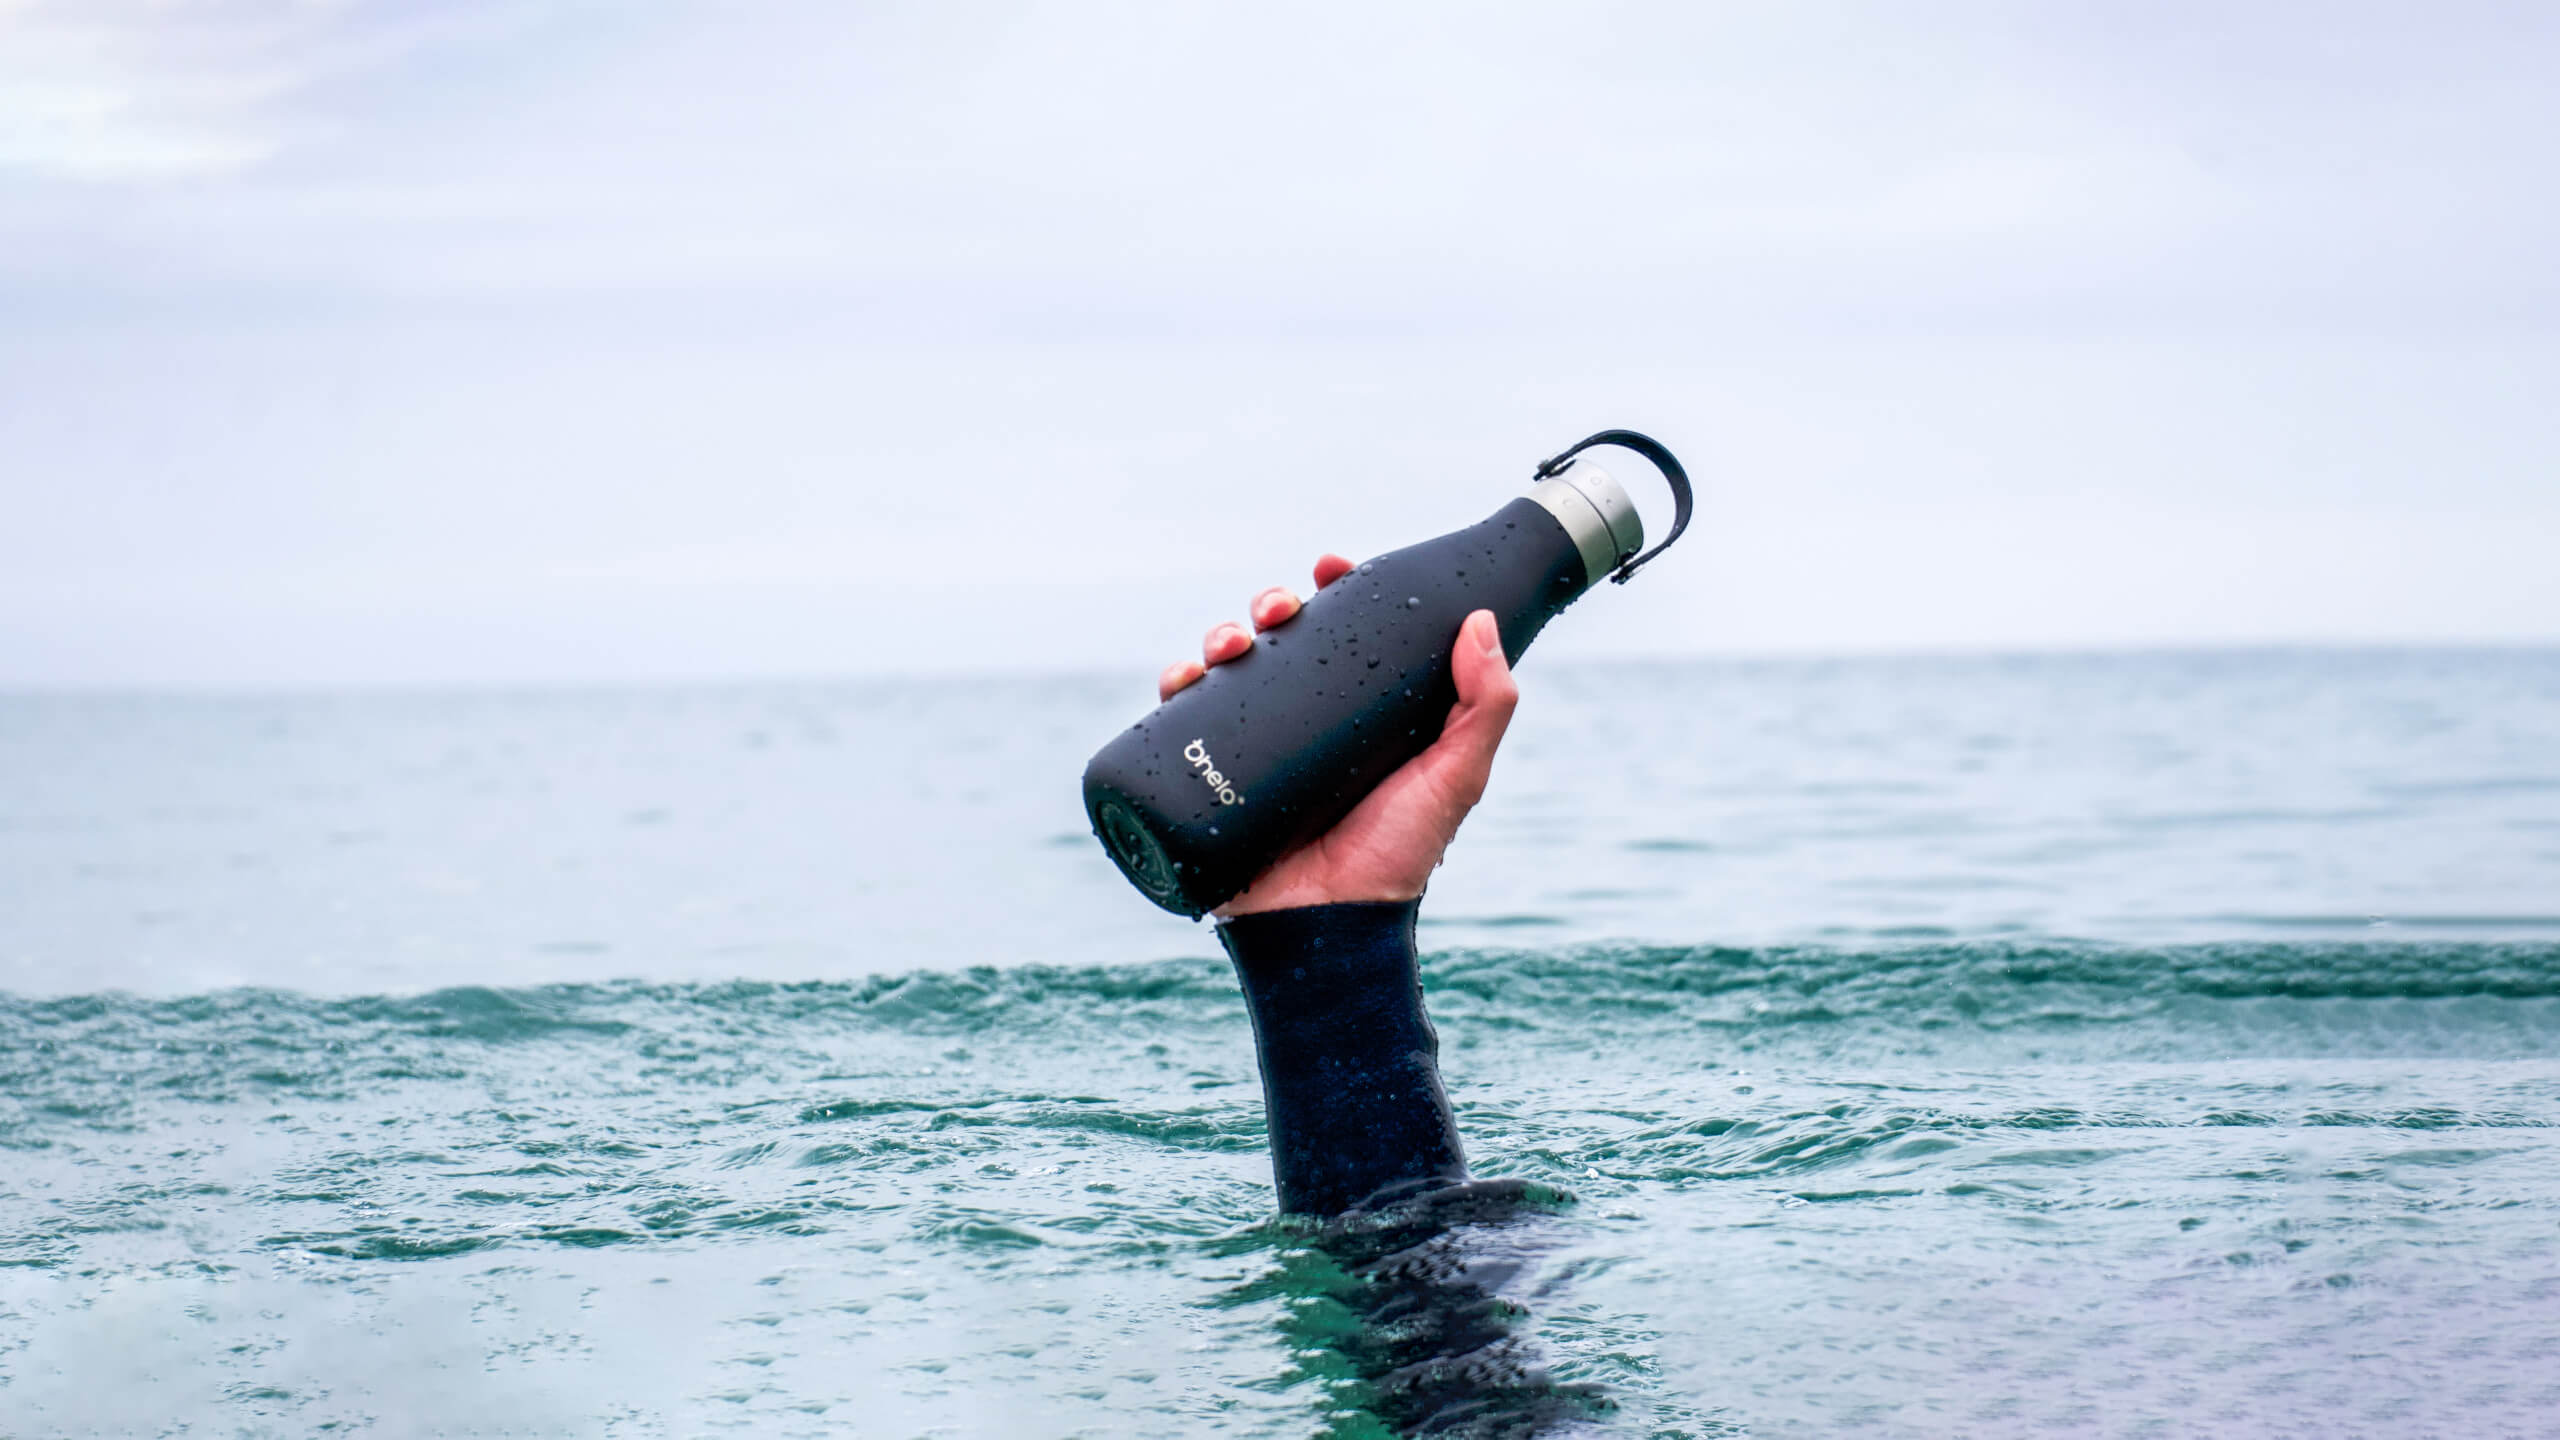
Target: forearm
x=1350 y=1064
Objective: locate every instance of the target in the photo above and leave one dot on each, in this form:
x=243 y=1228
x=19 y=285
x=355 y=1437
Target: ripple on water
x=2168 y=1178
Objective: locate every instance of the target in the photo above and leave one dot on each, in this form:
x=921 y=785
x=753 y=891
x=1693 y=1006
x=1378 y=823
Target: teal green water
x=2243 y=1189
x=1923 y=1143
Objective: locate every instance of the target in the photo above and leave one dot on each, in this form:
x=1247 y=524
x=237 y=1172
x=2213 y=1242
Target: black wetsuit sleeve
x=1350 y=1064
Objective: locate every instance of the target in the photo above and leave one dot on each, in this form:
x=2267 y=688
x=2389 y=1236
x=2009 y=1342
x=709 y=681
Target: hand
x=1387 y=847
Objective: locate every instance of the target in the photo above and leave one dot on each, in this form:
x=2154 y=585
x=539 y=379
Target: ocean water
x=2139 y=1045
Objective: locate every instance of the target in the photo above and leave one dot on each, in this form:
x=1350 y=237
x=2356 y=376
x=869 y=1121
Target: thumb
x=1486 y=697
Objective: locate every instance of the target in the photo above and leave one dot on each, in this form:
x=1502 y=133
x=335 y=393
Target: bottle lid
x=1595 y=511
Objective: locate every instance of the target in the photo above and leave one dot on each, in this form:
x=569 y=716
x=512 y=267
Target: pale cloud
x=102 y=91
x=463 y=338
x=1430 y=168
x=158 y=90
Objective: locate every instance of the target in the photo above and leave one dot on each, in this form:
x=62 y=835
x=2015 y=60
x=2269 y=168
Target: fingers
x=1177 y=677
x=1487 y=694
x=1224 y=642
x=1275 y=606
x=1329 y=568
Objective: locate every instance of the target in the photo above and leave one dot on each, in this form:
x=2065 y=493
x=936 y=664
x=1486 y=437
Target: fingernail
x=1488 y=636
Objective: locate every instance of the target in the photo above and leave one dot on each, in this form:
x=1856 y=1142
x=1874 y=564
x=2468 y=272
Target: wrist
x=1332 y=948
x=1296 y=893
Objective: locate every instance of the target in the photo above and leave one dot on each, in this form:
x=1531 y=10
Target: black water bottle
x=1271 y=749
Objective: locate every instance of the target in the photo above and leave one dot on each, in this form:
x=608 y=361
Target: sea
x=2156 y=1044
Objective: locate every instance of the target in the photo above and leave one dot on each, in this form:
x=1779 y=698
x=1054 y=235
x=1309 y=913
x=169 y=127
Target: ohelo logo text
x=1198 y=754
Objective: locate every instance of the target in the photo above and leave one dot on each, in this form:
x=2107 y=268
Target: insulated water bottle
x=1269 y=750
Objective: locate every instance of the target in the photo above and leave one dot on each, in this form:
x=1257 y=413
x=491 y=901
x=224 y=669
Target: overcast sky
x=348 y=343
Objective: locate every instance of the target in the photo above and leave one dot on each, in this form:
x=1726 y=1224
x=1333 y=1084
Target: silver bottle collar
x=1595 y=511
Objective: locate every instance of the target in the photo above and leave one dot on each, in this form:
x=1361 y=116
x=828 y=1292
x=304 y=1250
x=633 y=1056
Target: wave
x=1794 y=984
x=2481 y=998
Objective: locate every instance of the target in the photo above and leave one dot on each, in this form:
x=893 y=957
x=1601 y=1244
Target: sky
x=350 y=344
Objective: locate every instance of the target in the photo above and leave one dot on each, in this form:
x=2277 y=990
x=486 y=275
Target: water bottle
x=1271 y=749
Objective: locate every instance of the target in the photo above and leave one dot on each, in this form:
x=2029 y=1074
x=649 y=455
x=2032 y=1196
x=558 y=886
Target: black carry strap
x=1664 y=460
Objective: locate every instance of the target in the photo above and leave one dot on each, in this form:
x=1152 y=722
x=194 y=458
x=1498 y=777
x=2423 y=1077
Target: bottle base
x=1135 y=849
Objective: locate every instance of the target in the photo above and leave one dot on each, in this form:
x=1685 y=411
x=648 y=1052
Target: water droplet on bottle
x=1367 y=566
x=1413 y=602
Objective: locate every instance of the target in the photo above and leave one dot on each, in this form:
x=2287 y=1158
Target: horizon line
x=11 y=690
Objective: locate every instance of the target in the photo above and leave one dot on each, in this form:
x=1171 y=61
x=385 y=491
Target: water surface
x=2156 y=1045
